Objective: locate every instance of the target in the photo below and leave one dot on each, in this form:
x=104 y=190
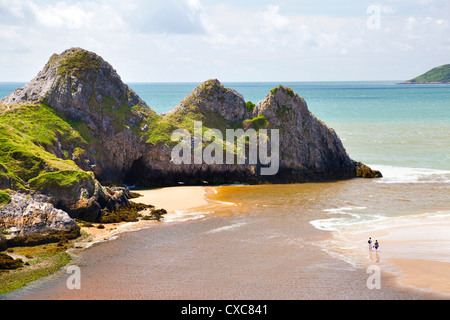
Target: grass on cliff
x=41 y=124
x=78 y=62
x=28 y=134
x=4 y=198
x=257 y=123
x=289 y=91
x=161 y=128
x=23 y=160
x=250 y=106
x=61 y=181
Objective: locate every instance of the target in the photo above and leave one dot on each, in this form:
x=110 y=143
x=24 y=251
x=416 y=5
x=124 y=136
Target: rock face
x=308 y=148
x=69 y=80
x=87 y=90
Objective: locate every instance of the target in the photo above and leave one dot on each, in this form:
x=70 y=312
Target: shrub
x=250 y=106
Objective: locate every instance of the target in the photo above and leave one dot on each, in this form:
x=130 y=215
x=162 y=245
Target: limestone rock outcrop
x=119 y=127
x=89 y=93
x=118 y=139
x=307 y=146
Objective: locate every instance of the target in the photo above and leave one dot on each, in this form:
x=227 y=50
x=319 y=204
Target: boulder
x=31 y=216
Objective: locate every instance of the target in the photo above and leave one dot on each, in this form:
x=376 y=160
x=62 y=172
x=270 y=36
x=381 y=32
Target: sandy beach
x=173 y=199
x=230 y=252
x=414 y=253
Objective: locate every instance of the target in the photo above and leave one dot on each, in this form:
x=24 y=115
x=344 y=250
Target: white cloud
x=168 y=16
x=189 y=40
x=62 y=15
x=273 y=20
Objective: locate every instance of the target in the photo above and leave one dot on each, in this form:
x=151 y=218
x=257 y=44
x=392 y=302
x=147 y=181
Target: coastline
x=405 y=264
x=431 y=82
x=401 y=254
x=173 y=199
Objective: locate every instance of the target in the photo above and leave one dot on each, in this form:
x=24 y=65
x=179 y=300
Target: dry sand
x=424 y=274
x=172 y=199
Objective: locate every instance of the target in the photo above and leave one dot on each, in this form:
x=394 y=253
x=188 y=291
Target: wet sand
x=251 y=249
x=417 y=253
x=412 y=252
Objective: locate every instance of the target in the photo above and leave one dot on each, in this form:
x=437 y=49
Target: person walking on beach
x=376 y=245
x=370 y=243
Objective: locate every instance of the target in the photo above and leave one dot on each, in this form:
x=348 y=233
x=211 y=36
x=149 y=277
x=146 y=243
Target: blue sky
x=196 y=40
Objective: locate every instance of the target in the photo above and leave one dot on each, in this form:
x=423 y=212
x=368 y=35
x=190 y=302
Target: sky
x=233 y=41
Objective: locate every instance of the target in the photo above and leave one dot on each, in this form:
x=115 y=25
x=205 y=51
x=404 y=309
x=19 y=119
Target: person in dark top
x=376 y=245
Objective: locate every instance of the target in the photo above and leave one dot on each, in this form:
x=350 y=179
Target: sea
x=296 y=241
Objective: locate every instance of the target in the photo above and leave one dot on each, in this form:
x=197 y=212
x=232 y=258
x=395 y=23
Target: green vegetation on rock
x=35 y=263
x=78 y=62
x=289 y=91
x=250 y=106
x=56 y=182
x=436 y=75
x=4 y=198
x=257 y=123
x=41 y=124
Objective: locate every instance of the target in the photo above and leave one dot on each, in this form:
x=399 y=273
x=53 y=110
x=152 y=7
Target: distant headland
x=438 y=75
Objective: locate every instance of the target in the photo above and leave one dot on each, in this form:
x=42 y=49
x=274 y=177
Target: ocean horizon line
x=272 y=81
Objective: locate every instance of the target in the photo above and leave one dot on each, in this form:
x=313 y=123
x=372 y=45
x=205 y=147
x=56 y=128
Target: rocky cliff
x=77 y=127
x=88 y=93
x=309 y=150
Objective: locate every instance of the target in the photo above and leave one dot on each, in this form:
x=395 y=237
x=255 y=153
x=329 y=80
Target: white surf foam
x=227 y=228
x=184 y=215
x=394 y=174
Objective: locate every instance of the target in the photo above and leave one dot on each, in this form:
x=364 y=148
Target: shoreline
x=187 y=198
x=409 y=268
x=416 y=255
x=173 y=199
x=400 y=257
